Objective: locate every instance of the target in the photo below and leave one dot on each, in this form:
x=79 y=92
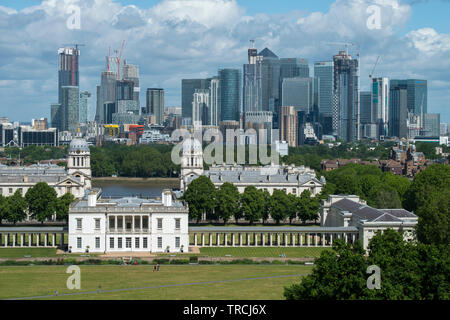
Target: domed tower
x=191 y=162
x=79 y=161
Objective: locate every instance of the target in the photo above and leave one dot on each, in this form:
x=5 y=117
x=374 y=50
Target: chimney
x=92 y=199
x=167 y=198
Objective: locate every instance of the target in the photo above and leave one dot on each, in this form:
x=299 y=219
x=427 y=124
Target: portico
x=27 y=237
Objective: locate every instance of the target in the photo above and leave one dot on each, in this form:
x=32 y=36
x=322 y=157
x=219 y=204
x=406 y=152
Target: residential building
x=155 y=104
x=289 y=125
x=85 y=107
x=380 y=104
x=68 y=69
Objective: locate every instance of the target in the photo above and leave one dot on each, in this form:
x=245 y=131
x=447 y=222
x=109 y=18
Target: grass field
x=17 y=282
x=262 y=252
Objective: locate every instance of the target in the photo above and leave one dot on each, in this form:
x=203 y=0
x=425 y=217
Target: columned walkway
x=27 y=237
x=270 y=236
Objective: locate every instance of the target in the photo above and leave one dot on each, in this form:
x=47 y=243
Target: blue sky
x=171 y=40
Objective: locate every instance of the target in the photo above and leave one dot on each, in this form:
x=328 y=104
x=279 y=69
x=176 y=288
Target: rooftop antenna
x=252 y=41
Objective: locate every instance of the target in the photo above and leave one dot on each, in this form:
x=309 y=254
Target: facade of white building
x=128 y=225
x=76 y=179
x=349 y=210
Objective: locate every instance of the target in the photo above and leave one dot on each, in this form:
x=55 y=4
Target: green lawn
x=44 y=280
x=290 y=252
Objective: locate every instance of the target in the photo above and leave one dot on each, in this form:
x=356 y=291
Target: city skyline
x=180 y=55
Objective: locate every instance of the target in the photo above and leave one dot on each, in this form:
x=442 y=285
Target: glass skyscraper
x=398 y=112
x=366 y=107
x=346 y=105
x=155 y=104
x=323 y=70
x=85 y=106
x=188 y=87
x=417 y=94
x=299 y=93
x=70 y=108
x=68 y=74
x=230 y=94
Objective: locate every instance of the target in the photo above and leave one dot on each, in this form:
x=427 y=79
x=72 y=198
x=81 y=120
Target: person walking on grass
x=154 y=268
x=157 y=267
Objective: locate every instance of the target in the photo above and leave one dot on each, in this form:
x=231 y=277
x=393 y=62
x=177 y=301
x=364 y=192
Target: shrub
x=179 y=261
x=278 y=262
x=193 y=259
x=161 y=261
x=205 y=262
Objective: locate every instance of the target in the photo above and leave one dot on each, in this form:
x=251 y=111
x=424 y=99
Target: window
x=97 y=242
x=159 y=242
x=294 y=190
x=136 y=243
x=144 y=243
x=112 y=223
x=10 y=190
x=119 y=243
x=177 y=242
x=119 y=223
x=1 y=190
x=79 y=243
x=145 y=222
x=177 y=223
x=79 y=224
x=97 y=224
x=111 y=243
x=159 y=223
x=128 y=243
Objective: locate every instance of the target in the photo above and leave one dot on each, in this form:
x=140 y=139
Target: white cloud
x=193 y=38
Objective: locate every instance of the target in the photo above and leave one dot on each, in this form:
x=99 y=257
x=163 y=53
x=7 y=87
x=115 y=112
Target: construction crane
x=373 y=70
x=119 y=59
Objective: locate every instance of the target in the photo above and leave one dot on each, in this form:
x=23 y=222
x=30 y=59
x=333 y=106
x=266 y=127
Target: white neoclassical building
x=289 y=178
x=76 y=179
x=128 y=225
x=349 y=210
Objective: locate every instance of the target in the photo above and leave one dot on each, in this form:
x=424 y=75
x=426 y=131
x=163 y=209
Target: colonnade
x=30 y=239
x=269 y=239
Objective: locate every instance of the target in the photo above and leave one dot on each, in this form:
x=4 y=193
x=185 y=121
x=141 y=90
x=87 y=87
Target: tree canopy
x=41 y=199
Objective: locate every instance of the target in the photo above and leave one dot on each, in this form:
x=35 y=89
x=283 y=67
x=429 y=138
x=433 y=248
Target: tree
x=17 y=207
x=307 y=207
x=279 y=205
x=433 y=226
x=252 y=202
x=387 y=198
x=4 y=208
x=292 y=206
x=41 y=199
x=62 y=206
x=267 y=208
x=339 y=274
x=201 y=197
x=227 y=201
x=435 y=178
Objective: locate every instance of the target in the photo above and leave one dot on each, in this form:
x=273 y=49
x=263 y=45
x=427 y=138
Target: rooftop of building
x=365 y=212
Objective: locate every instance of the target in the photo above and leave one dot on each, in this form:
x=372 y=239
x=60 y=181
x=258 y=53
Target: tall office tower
x=289 y=125
x=106 y=92
x=398 y=112
x=252 y=90
x=380 y=104
x=298 y=92
x=56 y=116
x=294 y=67
x=230 y=94
x=346 y=107
x=188 y=87
x=324 y=71
x=366 y=107
x=417 y=94
x=131 y=72
x=155 y=104
x=127 y=110
x=68 y=73
x=270 y=81
x=70 y=100
x=259 y=120
x=85 y=106
x=214 y=101
x=109 y=108
x=431 y=124
x=200 y=108
x=6 y=133
x=443 y=129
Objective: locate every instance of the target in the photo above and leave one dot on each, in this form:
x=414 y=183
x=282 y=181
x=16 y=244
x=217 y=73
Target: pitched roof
x=267 y=53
